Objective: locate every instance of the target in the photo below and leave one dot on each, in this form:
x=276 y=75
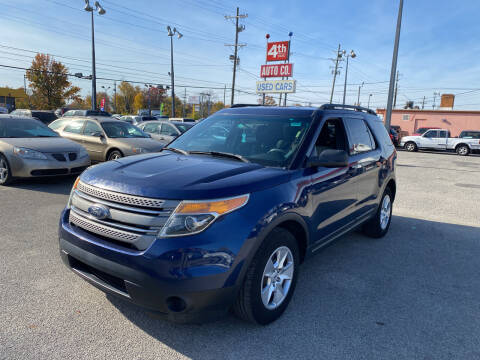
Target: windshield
x=120 y=129
x=24 y=128
x=263 y=139
x=183 y=127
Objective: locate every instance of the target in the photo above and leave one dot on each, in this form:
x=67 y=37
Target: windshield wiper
x=179 y=151
x=221 y=154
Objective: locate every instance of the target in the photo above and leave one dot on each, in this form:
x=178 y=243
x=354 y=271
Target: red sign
x=276 y=70
x=277 y=51
x=102 y=104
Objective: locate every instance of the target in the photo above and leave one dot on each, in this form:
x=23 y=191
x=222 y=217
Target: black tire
x=462 y=150
x=249 y=305
x=5 y=166
x=374 y=227
x=411 y=146
x=114 y=154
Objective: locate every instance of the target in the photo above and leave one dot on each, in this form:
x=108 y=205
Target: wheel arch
x=462 y=143
x=109 y=151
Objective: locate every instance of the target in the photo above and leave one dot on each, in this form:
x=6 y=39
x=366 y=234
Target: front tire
x=114 y=155
x=411 y=146
x=5 y=172
x=378 y=226
x=270 y=280
x=462 y=150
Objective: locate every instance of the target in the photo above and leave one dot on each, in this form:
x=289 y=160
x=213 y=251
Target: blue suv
x=223 y=216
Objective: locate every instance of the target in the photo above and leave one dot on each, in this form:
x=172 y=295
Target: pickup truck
x=440 y=139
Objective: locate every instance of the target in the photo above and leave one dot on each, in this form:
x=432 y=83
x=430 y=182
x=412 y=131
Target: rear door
x=366 y=159
x=441 y=140
x=94 y=140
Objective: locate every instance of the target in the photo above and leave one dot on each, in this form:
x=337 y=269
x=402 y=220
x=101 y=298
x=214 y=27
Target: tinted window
x=332 y=136
x=120 y=129
x=381 y=133
x=270 y=140
x=151 y=128
x=24 y=128
x=183 y=127
x=43 y=116
x=443 y=134
x=75 y=127
x=360 y=136
x=470 y=134
x=168 y=129
x=92 y=129
x=431 y=134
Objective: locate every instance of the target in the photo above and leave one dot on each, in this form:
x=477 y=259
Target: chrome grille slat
x=118 y=197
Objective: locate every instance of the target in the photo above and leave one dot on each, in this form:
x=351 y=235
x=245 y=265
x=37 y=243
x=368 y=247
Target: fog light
x=176 y=304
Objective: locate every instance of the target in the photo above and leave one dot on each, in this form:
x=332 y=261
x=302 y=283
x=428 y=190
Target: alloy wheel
x=277 y=277
x=385 y=212
x=3 y=171
x=463 y=150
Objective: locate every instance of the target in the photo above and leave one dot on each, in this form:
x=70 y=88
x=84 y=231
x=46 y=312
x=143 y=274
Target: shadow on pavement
x=476 y=154
x=412 y=294
x=61 y=185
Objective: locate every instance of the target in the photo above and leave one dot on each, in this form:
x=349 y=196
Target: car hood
x=46 y=144
x=173 y=176
x=411 y=138
x=145 y=143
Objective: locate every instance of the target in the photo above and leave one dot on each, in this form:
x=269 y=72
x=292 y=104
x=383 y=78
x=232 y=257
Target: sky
x=439 y=50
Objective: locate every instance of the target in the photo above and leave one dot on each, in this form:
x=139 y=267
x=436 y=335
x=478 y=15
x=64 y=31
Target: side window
x=75 y=127
x=168 y=130
x=443 y=134
x=92 y=129
x=431 y=134
x=57 y=124
x=360 y=137
x=151 y=128
x=332 y=136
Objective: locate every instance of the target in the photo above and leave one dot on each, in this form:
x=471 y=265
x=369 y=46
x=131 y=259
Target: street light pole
x=388 y=114
x=171 y=33
x=101 y=11
x=369 y=97
x=352 y=55
x=358 y=98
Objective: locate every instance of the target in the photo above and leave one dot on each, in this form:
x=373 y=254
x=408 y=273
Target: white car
x=439 y=139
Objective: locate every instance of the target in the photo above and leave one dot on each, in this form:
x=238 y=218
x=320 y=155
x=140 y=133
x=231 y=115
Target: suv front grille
x=135 y=226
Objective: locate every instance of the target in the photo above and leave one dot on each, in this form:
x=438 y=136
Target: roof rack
x=244 y=105
x=347 y=107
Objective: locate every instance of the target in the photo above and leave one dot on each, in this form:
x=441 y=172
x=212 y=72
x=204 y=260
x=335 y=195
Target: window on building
x=406 y=117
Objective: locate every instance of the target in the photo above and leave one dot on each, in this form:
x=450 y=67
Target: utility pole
x=224 y=95
x=435 y=98
x=369 y=97
x=353 y=56
x=115 y=95
x=237 y=45
x=388 y=115
x=358 y=98
x=396 y=91
x=184 y=101
x=423 y=103
x=338 y=57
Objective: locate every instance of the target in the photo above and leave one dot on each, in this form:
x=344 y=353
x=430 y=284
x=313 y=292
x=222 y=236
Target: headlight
x=82 y=153
x=29 y=153
x=192 y=217
x=75 y=184
x=139 y=150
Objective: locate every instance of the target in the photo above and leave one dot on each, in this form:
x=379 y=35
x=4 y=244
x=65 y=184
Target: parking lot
x=411 y=295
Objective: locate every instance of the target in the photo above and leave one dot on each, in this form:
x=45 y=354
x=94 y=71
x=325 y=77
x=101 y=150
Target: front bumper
x=187 y=279
x=33 y=168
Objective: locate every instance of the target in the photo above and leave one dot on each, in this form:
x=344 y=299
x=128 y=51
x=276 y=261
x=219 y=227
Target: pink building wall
x=455 y=121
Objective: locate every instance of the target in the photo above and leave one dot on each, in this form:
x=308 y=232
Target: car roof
x=99 y=119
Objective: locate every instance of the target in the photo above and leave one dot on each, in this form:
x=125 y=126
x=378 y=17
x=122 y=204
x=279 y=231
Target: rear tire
x=5 y=172
x=114 y=155
x=411 y=146
x=378 y=226
x=270 y=280
x=462 y=150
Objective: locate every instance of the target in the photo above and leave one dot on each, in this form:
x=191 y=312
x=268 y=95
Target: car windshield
x=268 y=140
x=183 y=127
x=121 y=129
x=24 y=128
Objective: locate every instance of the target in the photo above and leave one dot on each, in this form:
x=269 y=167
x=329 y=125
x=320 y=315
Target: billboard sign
x=276 y=70
x=278 y=51
x=276 y=86
x=194 y=100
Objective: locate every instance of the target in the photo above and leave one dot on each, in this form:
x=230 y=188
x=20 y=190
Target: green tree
x=49 y=83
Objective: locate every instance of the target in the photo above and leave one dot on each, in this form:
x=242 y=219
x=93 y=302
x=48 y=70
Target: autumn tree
x=269 y=100
x=138 y=102
x=126 y=97
x=49 y=83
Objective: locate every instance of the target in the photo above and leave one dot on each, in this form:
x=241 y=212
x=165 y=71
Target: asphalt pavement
x=411 y=295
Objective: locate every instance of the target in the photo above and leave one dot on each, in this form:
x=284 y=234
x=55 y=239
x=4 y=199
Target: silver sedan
x=28 y=148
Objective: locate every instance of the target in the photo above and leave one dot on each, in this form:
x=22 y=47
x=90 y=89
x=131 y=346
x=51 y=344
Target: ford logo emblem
x=99 y=211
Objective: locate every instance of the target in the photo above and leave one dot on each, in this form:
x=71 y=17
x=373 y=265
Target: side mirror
x=329 y=158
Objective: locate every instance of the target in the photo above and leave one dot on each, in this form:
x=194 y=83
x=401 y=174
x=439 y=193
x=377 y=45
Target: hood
x=411 y=137
x=145 y=143
x=191 y=177
x=46 y=145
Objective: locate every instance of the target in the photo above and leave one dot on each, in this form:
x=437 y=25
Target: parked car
x=470 y=134
x=161 y=117
x=117 y=116
x=137 y=119
x=182 y=119
x=421 y=131
x=106 y=138
x=60 y=111
x=439 y=139
x=71 y=113
x=28 y=148
x=3 y=110
x=212 y=223
x=165 y=131
x=45 y=116
x=394 y=136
